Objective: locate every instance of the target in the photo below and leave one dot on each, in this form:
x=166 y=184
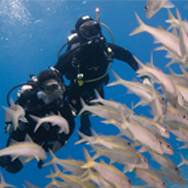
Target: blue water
x=32 y=32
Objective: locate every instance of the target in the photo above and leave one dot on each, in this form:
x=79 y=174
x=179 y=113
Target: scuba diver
x=87 y=61
x=40 y=97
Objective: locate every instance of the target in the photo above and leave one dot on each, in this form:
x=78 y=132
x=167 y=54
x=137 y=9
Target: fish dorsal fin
x=135 y=80
x=52 y=113
x=168 y=4
x=52 y=154
x=94 y=133
x=12 y=142
x=97 y=94
x=87 y=156
x=12 y=102
x=102 y=162
x=151 y=60
x=28 y=138
x=58 y=112
x=70 y=158
x=170 y=15
x=161 y=27
x=174 y=32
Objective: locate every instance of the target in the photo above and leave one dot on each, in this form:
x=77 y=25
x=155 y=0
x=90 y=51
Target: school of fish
x=138 y=134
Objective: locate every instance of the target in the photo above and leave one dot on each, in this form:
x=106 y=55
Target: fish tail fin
x=84 y=106
x=38 y=120
x=56 y=174
x=2 y=180
x=9 y=111
x=140 y=28
x=54 y=158
x=184 y=146
x=118 y=79
x=88 y=158
x=170 y=63
x=178 y=15
x=3 y=183
x=171 y=17
x=171 y=20
x=6 y=109
x=84 y=137
x=183 y=161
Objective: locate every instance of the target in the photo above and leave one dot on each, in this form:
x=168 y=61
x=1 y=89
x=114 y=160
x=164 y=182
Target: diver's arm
x=62 y=64
x=123 y=54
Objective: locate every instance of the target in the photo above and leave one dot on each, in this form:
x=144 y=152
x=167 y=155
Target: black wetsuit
x=93 y=64
x=45 y=134
x=93 y=60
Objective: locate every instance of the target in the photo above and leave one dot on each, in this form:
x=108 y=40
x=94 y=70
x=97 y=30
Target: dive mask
x=51 y=91
x=89 y=29
x=50 y=86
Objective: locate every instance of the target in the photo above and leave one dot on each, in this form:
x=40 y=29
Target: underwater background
x=32 y=32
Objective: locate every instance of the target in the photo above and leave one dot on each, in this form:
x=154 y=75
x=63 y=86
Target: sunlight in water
x=14 y=11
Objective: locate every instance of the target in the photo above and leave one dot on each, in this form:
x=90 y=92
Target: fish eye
x=129 y=143
x=146 y=7
x=160 y=142
x=163 y=183
x=168 y=146
x=184 y=116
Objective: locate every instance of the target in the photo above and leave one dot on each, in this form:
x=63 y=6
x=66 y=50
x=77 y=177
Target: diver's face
x=52 y=90
x=51 y=86
x=89 y=29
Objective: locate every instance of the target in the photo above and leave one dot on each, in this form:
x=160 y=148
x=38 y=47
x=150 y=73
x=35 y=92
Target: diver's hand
x=146 y=81
x=40 y=163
